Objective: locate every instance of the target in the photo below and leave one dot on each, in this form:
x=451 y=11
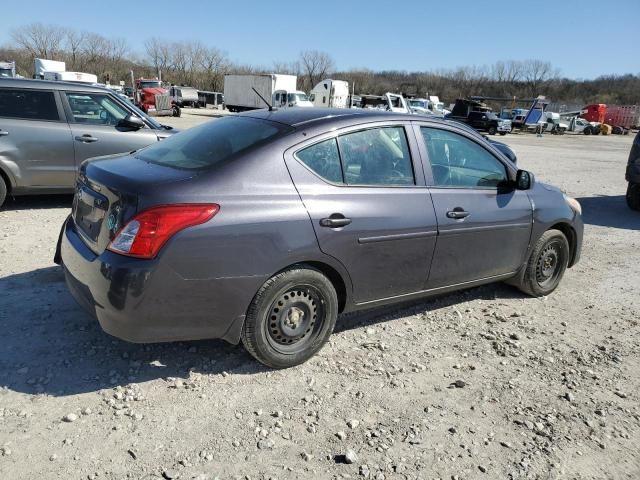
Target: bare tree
x=315 y=66
x=73 y=43
x=535 y=72
x=44 y=41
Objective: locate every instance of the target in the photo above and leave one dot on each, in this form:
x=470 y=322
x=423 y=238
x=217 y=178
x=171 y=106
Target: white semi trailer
x=330 y=93
x=279 y=90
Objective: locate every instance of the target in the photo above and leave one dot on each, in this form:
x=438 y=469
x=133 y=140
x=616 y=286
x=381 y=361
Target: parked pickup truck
x=479 y=116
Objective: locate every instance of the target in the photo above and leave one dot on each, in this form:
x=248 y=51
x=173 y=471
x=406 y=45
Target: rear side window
x=28 y=104
x=324 y=159
x=372 y=157
x=210 y=143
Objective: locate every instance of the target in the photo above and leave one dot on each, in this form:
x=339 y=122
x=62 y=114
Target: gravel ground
x=486 y=383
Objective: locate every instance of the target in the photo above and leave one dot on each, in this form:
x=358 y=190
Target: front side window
x=95 y=109
x=457 y=161
x=28 y=104
x=210 y=143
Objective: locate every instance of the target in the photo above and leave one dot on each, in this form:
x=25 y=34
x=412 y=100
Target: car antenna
x=262 y=98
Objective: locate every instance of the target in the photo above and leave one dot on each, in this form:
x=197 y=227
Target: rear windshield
x=210 y=143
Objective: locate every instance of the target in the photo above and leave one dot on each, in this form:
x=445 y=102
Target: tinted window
x=29 y=104
x=95 y=109
x=323 y=158
x=210 y=143
x=378 y=156
x=457 y=161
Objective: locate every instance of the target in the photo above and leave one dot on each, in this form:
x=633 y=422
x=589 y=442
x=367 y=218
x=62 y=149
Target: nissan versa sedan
x=263 y=227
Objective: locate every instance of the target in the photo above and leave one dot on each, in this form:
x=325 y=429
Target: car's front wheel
x=546 y=265
x=291 y=317
x=633 y=196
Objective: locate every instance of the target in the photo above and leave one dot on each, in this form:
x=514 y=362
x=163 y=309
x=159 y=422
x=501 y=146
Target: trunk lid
x=108 y=192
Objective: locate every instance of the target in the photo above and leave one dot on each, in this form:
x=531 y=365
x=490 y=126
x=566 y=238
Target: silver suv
x=48 y=128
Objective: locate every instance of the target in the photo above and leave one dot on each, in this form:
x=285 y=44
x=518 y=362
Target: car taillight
x=145 y=234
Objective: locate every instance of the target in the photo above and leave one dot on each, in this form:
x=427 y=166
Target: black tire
x=3 y=191
x=503 y=133
x=546 y=265
x=492 y=130
x=587 y=130
x=633 y=196
x=176 y=111
x=290 y=318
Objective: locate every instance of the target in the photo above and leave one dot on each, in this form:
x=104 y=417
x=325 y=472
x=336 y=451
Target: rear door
x=484 y=226
x=35 y=140
x=93 y=118
x=369 y=206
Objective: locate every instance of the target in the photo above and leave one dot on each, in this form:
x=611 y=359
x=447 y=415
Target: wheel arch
x=332 y=274
x=572 y=238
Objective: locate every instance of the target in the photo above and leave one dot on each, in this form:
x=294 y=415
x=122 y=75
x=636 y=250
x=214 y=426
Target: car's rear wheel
x=546 y=265
x=3 y=191
x=633 y=196
x=587 y=130
x=291 y=317
x=176 y=112
x=492 y=130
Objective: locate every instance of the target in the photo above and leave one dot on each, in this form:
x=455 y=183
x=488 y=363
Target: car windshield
x=208 y=144
x=492 y=116
x=418 y=103
x=6 y=72
x=297 y=97
x=150 y=84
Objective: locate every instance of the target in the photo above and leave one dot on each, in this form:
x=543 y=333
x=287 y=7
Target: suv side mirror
x=524 y=180
x=132 y=122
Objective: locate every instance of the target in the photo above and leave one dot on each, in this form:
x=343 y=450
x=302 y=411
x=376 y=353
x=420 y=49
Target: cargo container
x=626 y=116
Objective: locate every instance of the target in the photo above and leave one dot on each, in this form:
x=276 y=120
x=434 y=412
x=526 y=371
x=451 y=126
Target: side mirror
x=524 y=180
x=132 y=122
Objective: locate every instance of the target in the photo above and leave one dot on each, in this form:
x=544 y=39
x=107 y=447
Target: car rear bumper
x=146 y=301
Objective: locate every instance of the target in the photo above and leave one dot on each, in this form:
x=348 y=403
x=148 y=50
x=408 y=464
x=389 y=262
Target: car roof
x=50 y=85
x=300 y=116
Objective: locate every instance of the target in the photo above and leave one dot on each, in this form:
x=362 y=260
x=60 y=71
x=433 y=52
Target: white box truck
x=279 y=90
x=330 y=93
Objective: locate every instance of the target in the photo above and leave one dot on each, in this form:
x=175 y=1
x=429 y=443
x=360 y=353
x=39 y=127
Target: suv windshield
x=210 y=143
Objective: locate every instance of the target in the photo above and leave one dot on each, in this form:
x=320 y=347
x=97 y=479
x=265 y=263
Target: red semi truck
x=153 y=99
x=626 y=116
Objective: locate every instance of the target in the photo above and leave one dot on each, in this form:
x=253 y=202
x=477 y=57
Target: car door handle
x=86 y=138
x=3 y=133
x=335 y=221
x=457 y=213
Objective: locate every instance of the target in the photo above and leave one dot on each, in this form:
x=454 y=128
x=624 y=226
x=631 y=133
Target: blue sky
x=583 y=39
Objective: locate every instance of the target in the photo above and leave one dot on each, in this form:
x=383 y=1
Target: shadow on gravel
x=51 y=346
x=37 y=202
x=494 y=291
x=609 y=211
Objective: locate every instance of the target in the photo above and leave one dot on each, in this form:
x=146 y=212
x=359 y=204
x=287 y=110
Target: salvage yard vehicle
x=331 y=94
x=479 y=116
x=48 y=128
x=281 y=90
x=184 y=96
x=153 y=99
x=213 y=99
x=391 y=102
x=632 y=175
x=7 y=69
x=262 y=227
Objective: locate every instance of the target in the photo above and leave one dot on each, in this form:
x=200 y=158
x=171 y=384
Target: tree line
x=202 y=66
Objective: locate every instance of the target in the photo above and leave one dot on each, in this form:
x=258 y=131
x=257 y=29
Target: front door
x=369 y=207
x=484 y=225
x=93 y=118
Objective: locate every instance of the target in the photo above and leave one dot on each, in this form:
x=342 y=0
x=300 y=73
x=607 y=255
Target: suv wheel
x=492 y=130
x=633 y=196
x=290 y=318
x=546 y=265
x=587 y=130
